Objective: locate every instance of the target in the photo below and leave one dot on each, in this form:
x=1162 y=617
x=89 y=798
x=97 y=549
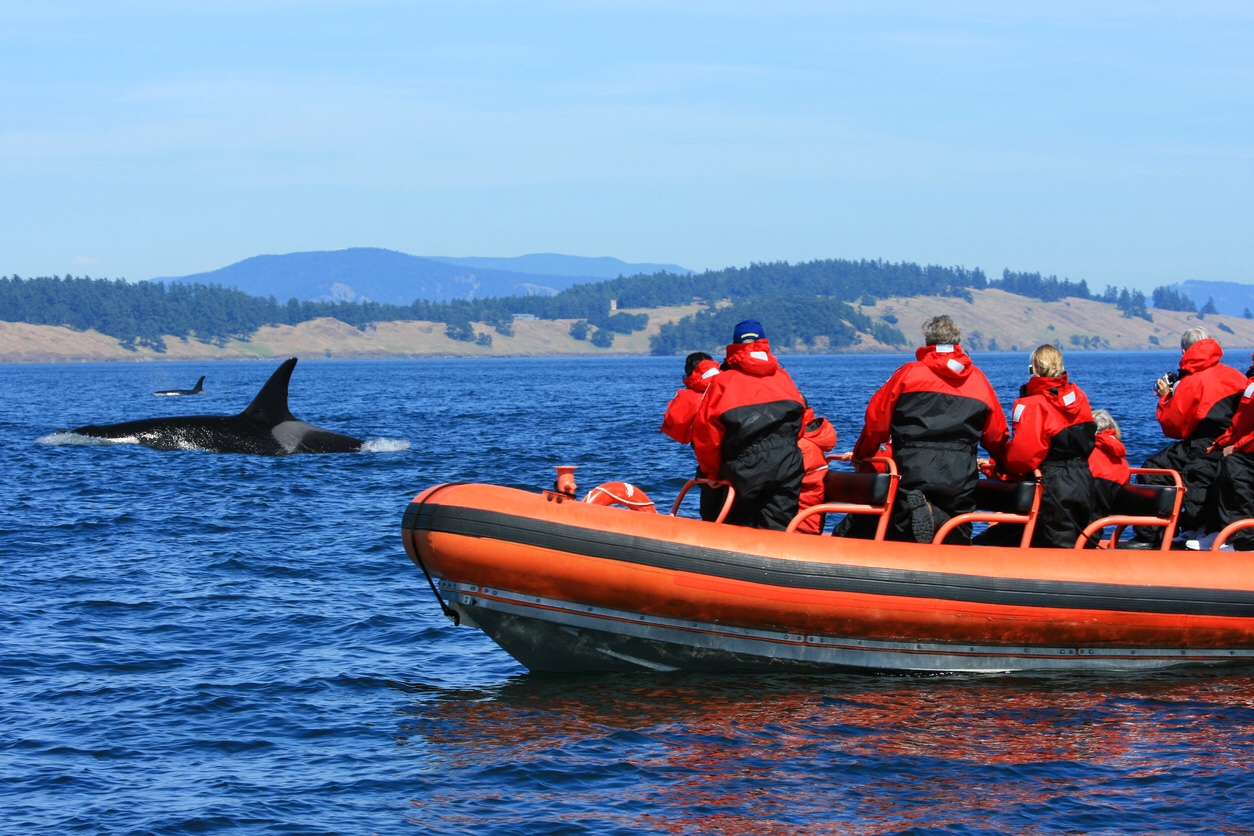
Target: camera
x=1172 y=378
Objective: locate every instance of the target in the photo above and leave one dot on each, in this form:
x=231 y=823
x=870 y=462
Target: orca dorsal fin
x=270 y=405
x=200 y=386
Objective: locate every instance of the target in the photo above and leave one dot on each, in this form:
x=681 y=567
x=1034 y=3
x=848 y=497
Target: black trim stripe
x=903 y=583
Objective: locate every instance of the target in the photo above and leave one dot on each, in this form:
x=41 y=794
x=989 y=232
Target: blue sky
x=1111 y=142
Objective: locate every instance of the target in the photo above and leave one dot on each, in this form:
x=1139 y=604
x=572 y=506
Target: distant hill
x=390 y=277
x=553 y=264
x=1230 y=298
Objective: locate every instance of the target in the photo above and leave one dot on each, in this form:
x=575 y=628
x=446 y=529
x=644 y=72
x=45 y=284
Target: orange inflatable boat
x=611 y=584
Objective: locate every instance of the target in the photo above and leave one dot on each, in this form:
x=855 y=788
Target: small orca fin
x=270 y=405
x=200 y=386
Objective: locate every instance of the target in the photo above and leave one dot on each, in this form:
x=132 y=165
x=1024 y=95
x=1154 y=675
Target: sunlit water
x=210 y=643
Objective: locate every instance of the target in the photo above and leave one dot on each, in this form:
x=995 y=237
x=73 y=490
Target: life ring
x=620 y=493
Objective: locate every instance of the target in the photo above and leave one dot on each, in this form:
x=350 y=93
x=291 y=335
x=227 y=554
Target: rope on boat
x=452 y=614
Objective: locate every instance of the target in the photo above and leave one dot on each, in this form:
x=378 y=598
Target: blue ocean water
x=204 y=643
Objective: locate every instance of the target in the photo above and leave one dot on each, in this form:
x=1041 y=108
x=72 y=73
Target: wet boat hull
x=564 y=586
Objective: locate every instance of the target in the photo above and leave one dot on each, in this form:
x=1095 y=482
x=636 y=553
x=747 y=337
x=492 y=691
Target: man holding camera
x=1195 y=405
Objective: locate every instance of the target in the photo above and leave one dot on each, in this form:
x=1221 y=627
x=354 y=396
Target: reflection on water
x=717 y=754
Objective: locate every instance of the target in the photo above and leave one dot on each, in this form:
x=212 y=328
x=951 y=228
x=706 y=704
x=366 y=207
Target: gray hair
x=1105 y=422
x=1191 y=336
x=940 y=330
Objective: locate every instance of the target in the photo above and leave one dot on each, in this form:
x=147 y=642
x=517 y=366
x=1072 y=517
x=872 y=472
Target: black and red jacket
x=1240 y=435
x=937 y=411
x=749 y=419
x=1231 y=497
x=677 y=422
x=1202 y=402
x=1054 y=432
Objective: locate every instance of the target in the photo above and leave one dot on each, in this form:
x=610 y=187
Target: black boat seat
x=856 y=493
x=996 y=502
x=1149 y=506
x=1145 y=501
x=856 y=488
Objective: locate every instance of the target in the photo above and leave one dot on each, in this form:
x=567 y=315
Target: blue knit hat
x=748 y=331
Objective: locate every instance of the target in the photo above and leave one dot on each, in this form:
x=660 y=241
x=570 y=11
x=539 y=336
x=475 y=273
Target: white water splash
x=65 y=439
x=385 y=445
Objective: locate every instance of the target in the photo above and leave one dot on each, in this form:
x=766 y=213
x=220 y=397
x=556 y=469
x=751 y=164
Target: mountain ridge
x=375 y=274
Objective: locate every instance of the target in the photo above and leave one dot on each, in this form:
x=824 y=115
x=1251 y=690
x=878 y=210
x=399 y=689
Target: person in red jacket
x=818 y=437
x=937 y=411
x=1232 y=494
x=746 y=432
x=1053 y=432
x=1194 y=409
x=699 y=369
x=1108 y=462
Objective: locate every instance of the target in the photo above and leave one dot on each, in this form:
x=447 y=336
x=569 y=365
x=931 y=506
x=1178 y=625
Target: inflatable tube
x=620 y=493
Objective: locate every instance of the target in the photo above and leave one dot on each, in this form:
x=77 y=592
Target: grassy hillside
x=993 y=321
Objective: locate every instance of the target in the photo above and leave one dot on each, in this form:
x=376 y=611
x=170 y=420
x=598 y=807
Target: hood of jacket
x=948 y=362
x=700 y=378
x=1201 y=356
x=1107 y=442
x=753 y=358
x=818 y=430
x=1059 y=391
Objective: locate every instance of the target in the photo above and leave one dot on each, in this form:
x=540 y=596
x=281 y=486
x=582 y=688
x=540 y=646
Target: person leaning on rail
x=936 y=411
x=1194 y=408
x=699 y=369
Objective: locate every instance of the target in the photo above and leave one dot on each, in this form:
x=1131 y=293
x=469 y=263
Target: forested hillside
x=815 y=303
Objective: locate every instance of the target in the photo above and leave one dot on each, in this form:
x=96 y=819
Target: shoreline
x=994 y=322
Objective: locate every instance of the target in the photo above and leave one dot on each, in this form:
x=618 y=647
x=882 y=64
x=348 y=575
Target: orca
x=265 y=428
x=195 y=390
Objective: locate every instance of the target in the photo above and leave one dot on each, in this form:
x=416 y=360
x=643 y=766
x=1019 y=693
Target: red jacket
x=1108 y=460
x=1053 y=420
x=1198 y=404
x=1240 y=435
x=752 y=403
x=677 y=422
x=818 y=437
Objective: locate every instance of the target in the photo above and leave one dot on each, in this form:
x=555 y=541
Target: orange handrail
x=882 y=511
x=712 y=483
x=1122 y=521
x=1228 y=531
x=994 y=517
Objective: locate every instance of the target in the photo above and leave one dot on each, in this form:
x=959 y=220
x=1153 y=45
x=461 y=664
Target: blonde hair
x=1047 y=361
x=1104 y=421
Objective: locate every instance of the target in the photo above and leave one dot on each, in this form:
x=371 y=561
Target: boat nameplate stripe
x=833 y=577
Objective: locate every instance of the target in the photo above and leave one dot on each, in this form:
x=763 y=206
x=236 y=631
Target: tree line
x=815 y=303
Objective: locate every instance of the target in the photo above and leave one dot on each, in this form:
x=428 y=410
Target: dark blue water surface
x=201 y=643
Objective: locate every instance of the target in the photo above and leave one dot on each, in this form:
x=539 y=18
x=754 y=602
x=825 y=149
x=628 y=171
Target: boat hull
x=565 y=586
